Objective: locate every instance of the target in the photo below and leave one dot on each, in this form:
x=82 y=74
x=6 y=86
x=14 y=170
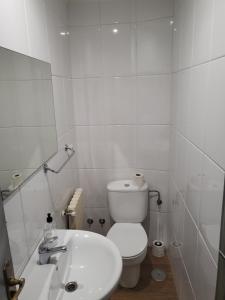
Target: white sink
x=91 y=260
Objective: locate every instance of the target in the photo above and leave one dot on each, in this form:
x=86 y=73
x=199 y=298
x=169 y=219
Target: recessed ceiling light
x=115 y=30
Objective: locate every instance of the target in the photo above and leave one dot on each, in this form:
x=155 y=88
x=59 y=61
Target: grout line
x=111 y=76
x=122 y=169
x=198 y=65
x=137 y=22
x=121 y=125
x=31 y=126
x=199 y=149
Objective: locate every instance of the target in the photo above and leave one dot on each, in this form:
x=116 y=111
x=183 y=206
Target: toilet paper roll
x=158 y=248
x=16 y=179
x=139 y=179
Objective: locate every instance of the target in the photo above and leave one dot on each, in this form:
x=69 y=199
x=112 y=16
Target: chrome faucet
x=46 y=250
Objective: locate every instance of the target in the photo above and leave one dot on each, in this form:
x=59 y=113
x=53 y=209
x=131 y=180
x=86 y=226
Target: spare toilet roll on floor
x=139 y=179
x=158 y=248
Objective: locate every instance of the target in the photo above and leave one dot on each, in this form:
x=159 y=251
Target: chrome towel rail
x=66 y=148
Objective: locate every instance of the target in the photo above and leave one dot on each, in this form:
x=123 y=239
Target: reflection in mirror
x=27 y=119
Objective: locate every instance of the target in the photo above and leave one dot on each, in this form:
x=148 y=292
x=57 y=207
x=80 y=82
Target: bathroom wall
x=39 y=28
x=121 y=54
x=197 y=146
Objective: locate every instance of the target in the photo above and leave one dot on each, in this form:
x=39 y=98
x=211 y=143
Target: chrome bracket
x=66 y=148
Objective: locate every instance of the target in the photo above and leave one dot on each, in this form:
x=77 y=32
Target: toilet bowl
x=128 y=208
x=131 y=240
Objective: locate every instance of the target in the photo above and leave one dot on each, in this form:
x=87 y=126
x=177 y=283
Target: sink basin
x=92 y=262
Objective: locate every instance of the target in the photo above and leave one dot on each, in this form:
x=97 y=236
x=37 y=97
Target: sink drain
x=71 y=286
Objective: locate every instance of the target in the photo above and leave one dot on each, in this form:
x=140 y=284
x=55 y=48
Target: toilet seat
x=130 y=238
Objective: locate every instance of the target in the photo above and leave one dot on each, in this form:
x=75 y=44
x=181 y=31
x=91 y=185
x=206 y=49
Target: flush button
x=126 y=185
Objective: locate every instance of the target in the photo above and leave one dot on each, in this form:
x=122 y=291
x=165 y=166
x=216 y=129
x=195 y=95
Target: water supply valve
x=90 y=221
x=159 y=200
x=102 y=222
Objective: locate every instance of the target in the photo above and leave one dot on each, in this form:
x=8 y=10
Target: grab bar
x=66 y=148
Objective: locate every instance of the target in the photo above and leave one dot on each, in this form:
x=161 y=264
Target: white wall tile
x=189 y=248
x=8 y=135
x=118 y=174
x=181 y=96
x=153 y=104
x=13 y=31
x=8 y=101
x=117 y=11
x=59 y=102
x=16 y=232
x=194 y=181
x=175 y=54
x=186 y=290
x=197 y=100
x=94 y=183
x=120 y=100
x=62 y=92
x=89 y=101
x=154 y=47
x=203 y=31
x=171 y=202
x=178 y=217
x=56 y=11
x=172 y=152
x=211 y=205
x=185 y=31
x=35 y=200
x=92 y=147
x=215 y=121
x=80 y=102
x=151 y=9
x=84 y=12
x=119 y=49
x=122 y=146
x=218 y=41
x=37 y=29
x=152 y=147
x=85 y=49
x=206 y=273
x=68 y=94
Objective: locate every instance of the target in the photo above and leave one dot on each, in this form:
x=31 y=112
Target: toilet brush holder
x=158 y=248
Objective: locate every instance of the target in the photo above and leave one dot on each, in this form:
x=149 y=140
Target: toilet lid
x=130 y=238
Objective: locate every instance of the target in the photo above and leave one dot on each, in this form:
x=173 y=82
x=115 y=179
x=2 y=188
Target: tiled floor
x=147 y=288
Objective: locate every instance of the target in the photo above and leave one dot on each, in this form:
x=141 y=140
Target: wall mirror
x=27 y=118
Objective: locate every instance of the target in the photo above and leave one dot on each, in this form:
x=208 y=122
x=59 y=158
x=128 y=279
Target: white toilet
x=128 y=208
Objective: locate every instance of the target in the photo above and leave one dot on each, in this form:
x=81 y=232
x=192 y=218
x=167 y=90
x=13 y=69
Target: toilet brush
x=158 y=248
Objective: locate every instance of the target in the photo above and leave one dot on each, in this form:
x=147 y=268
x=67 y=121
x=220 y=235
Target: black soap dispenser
x=49 y=227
